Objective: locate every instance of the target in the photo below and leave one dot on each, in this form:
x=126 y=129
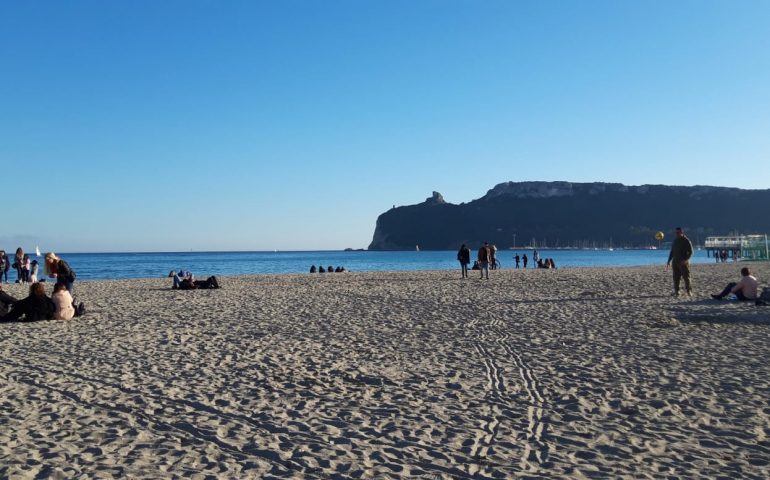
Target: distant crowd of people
x=329 y=269
x=26 y=269
x=38 y=305
x=487 y=260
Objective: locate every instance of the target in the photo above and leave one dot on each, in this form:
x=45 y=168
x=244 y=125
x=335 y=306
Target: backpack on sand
x=764 y=297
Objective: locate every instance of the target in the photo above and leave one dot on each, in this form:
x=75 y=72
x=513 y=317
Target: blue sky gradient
x=244 y=125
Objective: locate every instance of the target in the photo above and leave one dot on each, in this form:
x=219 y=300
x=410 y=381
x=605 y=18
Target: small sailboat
x=37 y=251
x=416 y=248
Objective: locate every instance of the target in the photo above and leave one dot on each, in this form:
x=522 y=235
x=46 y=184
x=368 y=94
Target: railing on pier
x=744 y=247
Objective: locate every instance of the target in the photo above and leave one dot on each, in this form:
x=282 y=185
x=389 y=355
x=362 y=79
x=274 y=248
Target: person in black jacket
x=37 y=306
x=56 y=267
x=679 y=261
x=6 y=301
x=464 y=257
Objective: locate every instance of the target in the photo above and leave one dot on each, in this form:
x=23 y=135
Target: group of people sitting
x=546 y=263
x=329 y=269
x=185 y=280
x=39 y=306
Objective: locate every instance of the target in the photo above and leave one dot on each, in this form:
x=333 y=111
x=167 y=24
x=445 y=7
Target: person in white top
x=62 y=299
x=745 y=289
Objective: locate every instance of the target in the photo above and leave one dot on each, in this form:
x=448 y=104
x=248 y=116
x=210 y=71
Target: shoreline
x=578 y=371
x=737 y=265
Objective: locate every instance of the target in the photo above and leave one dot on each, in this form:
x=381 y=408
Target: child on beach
x=63 y=302
x=25 y=268
x=33 y=271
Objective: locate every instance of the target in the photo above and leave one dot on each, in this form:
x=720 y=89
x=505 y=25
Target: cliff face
x=561 y=214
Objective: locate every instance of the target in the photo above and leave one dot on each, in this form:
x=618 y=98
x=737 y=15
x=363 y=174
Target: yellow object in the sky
x=659 y=236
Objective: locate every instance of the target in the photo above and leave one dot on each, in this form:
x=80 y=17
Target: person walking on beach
x=679 y=260
x=524 y=258
x=464 y=257
x=484 y=255
x=516 y=259
x=493 y=257
x=745 y=289
x=535 y=256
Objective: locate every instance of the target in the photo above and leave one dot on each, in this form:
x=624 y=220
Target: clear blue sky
x=246 y=125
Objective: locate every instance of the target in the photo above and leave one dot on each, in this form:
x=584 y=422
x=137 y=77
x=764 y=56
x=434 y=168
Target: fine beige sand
x=572 y=373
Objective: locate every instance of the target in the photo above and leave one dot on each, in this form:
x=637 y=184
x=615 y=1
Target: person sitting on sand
x=483 y=257
x=6 y=301
x=475 y=265
x=330 y=269
x=37 y=306
x=552 y=265
x=321 y=269
x=745 y=289
x=312 y=269
x=62 y=300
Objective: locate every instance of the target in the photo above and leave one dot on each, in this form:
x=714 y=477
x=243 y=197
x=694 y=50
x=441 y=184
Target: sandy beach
x=571 y=373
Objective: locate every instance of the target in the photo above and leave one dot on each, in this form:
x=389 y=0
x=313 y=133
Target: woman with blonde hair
x=57 y=268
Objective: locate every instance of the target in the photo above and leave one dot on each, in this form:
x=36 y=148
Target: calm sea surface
x=93 y=266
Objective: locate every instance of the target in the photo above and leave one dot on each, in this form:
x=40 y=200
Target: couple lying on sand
x=185 y=280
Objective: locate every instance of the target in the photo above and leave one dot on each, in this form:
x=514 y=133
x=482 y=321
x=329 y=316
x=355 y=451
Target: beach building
x=739 y=247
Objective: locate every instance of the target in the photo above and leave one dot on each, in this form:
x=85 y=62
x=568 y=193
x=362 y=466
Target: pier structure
x=738 y=247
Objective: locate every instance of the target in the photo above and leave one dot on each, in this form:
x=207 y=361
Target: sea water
x=101 y=266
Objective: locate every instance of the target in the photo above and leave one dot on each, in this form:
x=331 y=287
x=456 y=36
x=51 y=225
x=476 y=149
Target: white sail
x=37 y=251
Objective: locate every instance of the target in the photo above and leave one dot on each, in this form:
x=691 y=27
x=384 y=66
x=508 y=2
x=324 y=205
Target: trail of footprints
x=535 y=449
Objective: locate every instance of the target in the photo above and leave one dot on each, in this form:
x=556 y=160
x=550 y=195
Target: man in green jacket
x=679 y=260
